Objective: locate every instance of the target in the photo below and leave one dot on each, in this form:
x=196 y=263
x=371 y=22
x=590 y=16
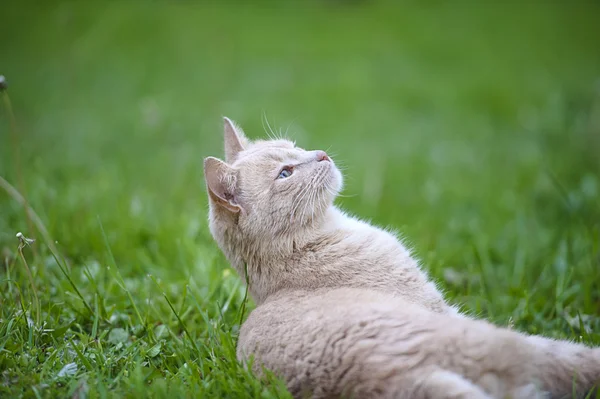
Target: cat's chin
x=336 y=181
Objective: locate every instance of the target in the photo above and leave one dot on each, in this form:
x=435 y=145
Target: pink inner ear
x=215 y=174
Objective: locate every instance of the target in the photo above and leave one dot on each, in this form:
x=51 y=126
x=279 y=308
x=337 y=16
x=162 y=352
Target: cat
x=343 y=309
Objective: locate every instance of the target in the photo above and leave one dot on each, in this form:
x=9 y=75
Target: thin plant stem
x=37 y=300
x=243 y=309
x=181 y=323
x=32 y=214
x=14 y=139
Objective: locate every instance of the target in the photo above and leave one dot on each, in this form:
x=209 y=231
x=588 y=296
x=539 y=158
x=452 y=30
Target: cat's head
x=267 y=188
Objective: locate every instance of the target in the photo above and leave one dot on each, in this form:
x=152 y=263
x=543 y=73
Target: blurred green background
x=472 y=128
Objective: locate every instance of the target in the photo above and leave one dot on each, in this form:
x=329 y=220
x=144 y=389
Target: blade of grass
x=181 y=323
x=83 y=359
x=96 y=317
x=119 y=279
x=64 y=272
x=245 y=299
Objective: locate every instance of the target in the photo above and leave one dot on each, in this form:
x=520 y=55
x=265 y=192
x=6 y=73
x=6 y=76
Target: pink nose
x=322 y=156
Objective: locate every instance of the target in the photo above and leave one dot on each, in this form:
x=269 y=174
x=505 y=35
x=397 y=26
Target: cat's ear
x=235 y=140
x=221 y=183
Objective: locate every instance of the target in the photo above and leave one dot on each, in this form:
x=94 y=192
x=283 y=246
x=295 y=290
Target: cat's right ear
x=221 y=183
x=235 y=140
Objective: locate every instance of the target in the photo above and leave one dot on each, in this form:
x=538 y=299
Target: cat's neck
x=285 y=258
x=275 y=250
x=261 y=254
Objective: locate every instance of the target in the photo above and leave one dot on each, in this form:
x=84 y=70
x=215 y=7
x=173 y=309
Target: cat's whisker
x=308 y=205
x=268 y=131
x=295 y=206
x=270 y=128
x=283 y=135
x=304 y=207
x=315 y=208
x=337 y=194
x=344 y=196
x=288 y=128
x=322 y=207
x=298 y=199
x=333 y=154
x=303 y=193
x=316 y=200
x=339 y=164
x=301 y=213
x=312 y=206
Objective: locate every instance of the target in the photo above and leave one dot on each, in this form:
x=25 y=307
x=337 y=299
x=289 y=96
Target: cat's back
x=351 y=338
x=303 y=335
x=292 y=317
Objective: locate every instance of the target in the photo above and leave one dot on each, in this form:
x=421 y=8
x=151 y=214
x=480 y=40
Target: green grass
x=473 y=130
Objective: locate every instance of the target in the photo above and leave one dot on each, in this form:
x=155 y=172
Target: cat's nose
x=322 y=156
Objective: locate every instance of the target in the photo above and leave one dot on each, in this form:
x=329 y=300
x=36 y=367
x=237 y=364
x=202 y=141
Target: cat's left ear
x=221 y=183
x=235 y=140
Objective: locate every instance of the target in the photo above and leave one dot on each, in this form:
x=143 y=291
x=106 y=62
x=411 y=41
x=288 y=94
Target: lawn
x=473 y=130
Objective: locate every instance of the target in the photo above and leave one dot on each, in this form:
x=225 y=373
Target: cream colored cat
x=343 y=309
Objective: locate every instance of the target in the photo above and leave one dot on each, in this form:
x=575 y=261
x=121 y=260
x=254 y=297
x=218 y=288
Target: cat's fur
x=343 y=307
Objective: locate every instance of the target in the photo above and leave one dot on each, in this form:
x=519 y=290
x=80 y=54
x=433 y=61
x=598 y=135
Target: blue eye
x=285 y=173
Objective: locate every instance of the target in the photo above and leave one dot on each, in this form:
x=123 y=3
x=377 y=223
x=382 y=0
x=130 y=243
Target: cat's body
x=318 y=275
x=382 y=347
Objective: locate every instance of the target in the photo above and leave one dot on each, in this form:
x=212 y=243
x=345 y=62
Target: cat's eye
x=285 y=173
